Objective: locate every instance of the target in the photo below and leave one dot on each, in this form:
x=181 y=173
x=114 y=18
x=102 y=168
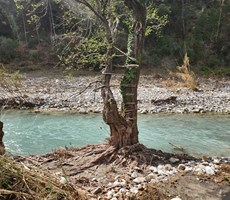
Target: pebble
x=123 y=190
x=45 y=93
x=134 y=190
x=173 y=160
x=181 y=167
x=151 y=176
x=139 y=180
x=134 y=175
x=119 y=183
x=176 y=198
x=97 y=190
x=63 y=180
x=110 y=193
x=153 y=169
x=216 y=161
x=209 y=170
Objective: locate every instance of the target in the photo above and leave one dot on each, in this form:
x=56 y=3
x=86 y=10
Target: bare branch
x=89 y=85
x=125 y=54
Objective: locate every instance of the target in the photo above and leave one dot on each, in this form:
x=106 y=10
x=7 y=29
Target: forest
x=199 y=28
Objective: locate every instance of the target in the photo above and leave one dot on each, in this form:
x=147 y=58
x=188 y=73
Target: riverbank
x=156 y=94
x=136 y=173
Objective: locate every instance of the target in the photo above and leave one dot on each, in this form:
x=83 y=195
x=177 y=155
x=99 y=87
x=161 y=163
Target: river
x=35 y=133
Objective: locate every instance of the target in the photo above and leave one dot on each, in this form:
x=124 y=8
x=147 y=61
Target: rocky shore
x=78 y=95
x=166 y=177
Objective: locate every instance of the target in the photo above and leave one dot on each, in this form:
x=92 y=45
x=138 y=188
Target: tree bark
x=2 y=147
x=123 y=126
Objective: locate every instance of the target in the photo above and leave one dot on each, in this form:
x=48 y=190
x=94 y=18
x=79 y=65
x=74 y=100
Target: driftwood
x=2 y=147
x=170 y=99
x=177 y=147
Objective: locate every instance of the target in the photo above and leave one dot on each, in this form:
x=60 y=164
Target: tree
x=113 y=14
x=123 y=125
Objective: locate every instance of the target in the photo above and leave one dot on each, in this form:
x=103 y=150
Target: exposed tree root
x=76 y=161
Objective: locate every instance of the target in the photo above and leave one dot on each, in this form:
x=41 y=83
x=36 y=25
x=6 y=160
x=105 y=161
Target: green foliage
x=7 y=49
x=204 y=35
x=87 y=53
x=33 y=54
x=92 y=53
x=130 y=74
x=155 y=22
x=215 y=71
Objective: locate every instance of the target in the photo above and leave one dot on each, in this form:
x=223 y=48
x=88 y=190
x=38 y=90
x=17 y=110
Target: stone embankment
x=78 y=95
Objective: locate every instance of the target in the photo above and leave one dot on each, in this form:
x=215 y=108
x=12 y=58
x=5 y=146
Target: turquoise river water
x=30 y=133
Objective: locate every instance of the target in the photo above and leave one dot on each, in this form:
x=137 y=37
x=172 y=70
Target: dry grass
x=183 y=77
x=9 y=81
x=17 y=181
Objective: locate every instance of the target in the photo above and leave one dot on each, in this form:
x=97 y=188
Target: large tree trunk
x=2 y=147
x=123 y=126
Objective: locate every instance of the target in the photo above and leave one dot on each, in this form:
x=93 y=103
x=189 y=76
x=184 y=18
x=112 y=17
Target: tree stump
x=2 y=147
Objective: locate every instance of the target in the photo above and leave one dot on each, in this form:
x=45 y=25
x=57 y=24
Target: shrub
x=186 y=74
x=7 y=49
x=183 y=76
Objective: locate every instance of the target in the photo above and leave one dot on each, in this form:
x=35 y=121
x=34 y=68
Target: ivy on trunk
x=123 y=125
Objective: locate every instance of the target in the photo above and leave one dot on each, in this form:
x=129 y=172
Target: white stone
x=119 y=183
x=209 y=170
x=140 y=187
x=199 y=168
x=144 y=111
x=216 y=161
x=151 y=176
x=138 y=169
x=160 y=167
x=139 y=180
x=94 y=179
x=154 y=181
x=176 y=198
x=134 y=190
x=110 y=193
x=153 y=169
x=63 y=180
x=188 y=168
x=134 y=175
x=174 y=160
x=168 y=167
x=123 y=190
x=161 y=172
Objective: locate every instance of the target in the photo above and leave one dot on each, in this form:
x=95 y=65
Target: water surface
x=30 y=133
